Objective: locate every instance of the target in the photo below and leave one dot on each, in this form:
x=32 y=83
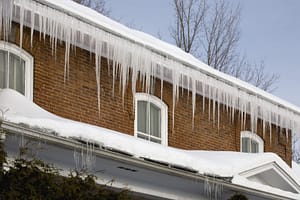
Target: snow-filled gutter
x=12 y=128
x=148 y=57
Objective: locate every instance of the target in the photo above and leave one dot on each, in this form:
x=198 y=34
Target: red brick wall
x=77 y=99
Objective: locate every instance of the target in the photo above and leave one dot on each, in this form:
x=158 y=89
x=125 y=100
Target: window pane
x=155 y=121
x=143 y=136
x=142 y=117
x=3 y=69
x=155 y=140
x=17 y=73
x=246 y=145
x=254 y=147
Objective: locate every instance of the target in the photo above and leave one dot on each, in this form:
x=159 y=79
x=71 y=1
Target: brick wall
x=76 y=99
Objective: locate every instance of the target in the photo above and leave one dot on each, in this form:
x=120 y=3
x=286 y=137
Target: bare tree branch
x=212 y=33
x=188 y=22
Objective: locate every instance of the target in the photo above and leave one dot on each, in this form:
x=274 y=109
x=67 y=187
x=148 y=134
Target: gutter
x=67 y=143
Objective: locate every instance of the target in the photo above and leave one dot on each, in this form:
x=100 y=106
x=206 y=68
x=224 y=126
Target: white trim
x=164 y=114
x=12 y=48
x=279 y=171
x=252 y=136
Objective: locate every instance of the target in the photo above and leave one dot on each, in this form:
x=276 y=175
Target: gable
x=274 y=176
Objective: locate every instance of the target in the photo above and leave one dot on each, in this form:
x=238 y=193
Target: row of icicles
x=142 y=63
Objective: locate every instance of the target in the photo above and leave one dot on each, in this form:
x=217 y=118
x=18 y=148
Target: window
x=16 y=69
x=151 y=118
x=251 y=142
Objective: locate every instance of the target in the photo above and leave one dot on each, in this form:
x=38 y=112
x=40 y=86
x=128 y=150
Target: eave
x=17 y=132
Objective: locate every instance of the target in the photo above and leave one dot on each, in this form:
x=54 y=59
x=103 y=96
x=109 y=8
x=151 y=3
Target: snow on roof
x=147 y=40
x=81 y=26
x=296 y=168
x=17 y=109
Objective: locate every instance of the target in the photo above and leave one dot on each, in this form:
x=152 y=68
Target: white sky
x=270 y=32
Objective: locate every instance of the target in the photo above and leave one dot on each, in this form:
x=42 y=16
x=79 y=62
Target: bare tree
x=211 y=32
x=98 y=5
x=189 y=20
x=221 y=36
x=253 y=73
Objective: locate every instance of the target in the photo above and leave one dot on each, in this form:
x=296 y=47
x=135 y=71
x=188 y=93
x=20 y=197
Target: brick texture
x=76 y=98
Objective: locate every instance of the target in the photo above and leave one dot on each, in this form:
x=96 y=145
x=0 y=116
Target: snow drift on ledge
x=15 y=108
x=20 y=110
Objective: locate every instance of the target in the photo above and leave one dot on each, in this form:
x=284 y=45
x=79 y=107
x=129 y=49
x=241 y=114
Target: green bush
x=35 y=180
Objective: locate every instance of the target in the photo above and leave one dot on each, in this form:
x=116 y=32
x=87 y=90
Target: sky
x=270 y=31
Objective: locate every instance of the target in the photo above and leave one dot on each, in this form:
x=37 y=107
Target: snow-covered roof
x=151 y=57
x=296 y=168
x=17 y=109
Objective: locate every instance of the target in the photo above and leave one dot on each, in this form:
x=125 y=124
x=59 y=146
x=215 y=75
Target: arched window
x=16 y=69
x=251 y=142
x=151 y=118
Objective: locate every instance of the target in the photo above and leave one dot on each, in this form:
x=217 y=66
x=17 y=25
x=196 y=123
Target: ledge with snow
x=146 y=168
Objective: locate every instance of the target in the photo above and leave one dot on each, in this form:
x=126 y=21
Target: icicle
x=133 y=83
x=22 y=13
x=189 y=88
x=263 y=121
x=218 y=107
x=203 y=97
x=270 y=127
x=214 y=103
x=66 y=68
x=161 y=81
x=76 y=159
x=193 y=101
x=234 y=103
x=32 y=20
x=212 y=190
x=209 y=100
x=98 y=49
x=114 y=78
x=6 y=15
x=174 y=97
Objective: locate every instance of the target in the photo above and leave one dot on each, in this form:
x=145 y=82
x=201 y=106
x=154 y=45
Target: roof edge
x=13 y=128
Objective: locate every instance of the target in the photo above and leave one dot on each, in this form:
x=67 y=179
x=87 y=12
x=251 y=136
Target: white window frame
x=164 y=114
x=254 y=137
x=12 y=48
